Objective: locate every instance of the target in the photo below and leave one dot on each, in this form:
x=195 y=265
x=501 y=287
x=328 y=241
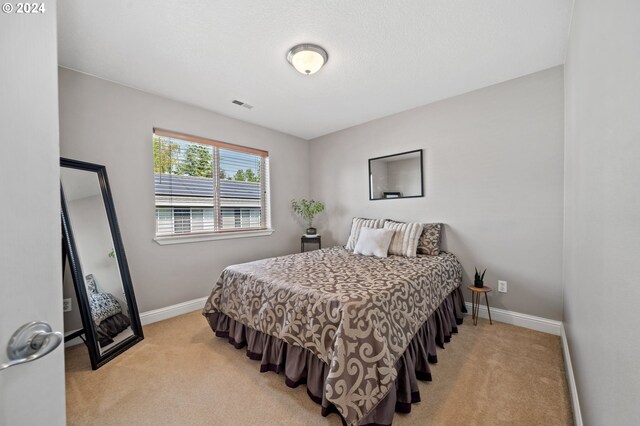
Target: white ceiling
x=384 y=56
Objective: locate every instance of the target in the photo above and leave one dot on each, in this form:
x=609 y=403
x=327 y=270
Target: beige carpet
x=181 y=374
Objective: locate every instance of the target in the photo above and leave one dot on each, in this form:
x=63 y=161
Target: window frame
x=220 y=234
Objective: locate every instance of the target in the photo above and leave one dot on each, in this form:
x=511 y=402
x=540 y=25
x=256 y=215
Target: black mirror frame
x=394 y=155
x=97 y=359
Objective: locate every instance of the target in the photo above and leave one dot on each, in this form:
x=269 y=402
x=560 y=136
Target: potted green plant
x=478 y=280
x=307 y=209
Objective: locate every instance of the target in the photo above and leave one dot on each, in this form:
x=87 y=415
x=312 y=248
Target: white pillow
x=373 y=242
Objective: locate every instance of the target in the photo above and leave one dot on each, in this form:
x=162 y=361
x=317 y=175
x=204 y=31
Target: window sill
x=194 y=238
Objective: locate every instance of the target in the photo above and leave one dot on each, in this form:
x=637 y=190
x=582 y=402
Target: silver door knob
x=30 y=342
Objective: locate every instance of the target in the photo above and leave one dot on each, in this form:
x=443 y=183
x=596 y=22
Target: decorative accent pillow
x=358 y=223
x=429 y=242
x=92 y=288
x=103 y=306
x=405 y=238
x=373 y=242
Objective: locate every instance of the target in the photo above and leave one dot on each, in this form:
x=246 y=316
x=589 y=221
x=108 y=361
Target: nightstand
x=309 y=240
x=476 y=292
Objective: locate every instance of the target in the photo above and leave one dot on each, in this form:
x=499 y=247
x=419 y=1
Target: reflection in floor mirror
x=95 y=268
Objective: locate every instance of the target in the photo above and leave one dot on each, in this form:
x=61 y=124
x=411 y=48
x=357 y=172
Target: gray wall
x=72 y=319
x=602 y=199
x=93 y=243
x=404 y=176
x=493 y=173
x=379 y=178
x=30 y=267
x=109 y=124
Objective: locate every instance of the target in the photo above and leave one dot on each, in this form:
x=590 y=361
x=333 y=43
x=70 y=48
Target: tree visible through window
x=203 y=185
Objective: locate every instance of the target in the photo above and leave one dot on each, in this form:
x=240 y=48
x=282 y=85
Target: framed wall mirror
x=396 y=176
x=97 y=262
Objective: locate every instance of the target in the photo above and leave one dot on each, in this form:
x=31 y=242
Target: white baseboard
x=156 y=315
x=571 y=380
x=521 y=320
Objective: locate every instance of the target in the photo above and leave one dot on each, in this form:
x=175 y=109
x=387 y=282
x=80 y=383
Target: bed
x=358 y=330
x=106 y=313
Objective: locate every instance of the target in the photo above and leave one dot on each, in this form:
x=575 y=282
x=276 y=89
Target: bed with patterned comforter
x=357 y=314
x=106 y=312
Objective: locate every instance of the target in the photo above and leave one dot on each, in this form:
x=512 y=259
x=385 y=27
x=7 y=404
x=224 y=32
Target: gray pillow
x=429 y=242
x=92 y=288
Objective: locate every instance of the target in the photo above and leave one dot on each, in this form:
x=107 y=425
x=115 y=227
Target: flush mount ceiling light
x=307 y=58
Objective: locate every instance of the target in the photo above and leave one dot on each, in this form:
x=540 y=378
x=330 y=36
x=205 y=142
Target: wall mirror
x=396 y=176
x=97 y=262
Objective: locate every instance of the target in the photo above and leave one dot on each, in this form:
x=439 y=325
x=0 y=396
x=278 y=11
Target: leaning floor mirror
x=97 y=263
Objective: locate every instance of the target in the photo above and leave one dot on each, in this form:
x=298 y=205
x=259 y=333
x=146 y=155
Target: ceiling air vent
x=242 y=104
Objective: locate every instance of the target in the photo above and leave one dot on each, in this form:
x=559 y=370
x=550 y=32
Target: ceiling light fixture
x=307 y=58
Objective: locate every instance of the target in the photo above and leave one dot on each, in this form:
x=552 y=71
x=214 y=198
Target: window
x=181 y=221
x=208 y=187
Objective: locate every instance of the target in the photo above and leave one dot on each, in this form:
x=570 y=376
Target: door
x=30 y=246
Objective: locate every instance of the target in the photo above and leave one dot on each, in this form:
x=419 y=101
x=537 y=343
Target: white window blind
x=206 y=186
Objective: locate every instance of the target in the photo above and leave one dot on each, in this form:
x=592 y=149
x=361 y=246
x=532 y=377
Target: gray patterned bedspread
x=356 y=313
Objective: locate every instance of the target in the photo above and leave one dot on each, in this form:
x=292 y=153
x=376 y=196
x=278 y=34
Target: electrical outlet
x=502 y=286
x=66 y=305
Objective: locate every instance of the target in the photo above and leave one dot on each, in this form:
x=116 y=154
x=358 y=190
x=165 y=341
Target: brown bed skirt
x=111 y=327
x=302 y=367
